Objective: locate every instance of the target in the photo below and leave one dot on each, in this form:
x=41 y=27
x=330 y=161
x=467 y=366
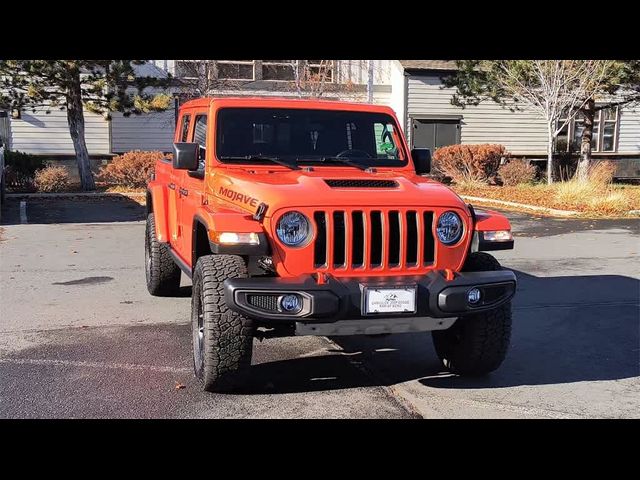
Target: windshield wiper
x=344 y=160
x=266 y=158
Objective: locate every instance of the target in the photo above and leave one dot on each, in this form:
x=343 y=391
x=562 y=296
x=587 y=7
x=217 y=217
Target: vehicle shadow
x=116 y=208
x=565 y=329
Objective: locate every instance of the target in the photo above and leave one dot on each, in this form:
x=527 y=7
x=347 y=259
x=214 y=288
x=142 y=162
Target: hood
x=328 y=187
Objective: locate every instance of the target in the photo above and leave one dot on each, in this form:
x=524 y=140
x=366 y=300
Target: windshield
x=307 y=136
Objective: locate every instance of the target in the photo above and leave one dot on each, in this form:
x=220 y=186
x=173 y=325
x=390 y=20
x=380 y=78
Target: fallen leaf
x=179 y=386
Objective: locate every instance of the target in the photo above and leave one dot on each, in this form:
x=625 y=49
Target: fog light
x=290 y=303
x=473 y=296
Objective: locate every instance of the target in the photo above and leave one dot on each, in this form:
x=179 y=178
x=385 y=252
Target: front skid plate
x=375 y=326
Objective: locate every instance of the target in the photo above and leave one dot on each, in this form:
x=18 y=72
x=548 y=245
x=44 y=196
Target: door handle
x=183 y=192
x=172 y=186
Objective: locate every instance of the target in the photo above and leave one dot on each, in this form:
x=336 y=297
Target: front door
x=432 y=134
x=191 y=191
x=177 y=178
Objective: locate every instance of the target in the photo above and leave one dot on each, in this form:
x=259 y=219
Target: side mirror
x=185 y=156
x=421 y=160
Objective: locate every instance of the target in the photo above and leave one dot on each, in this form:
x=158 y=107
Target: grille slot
x=429 y=244
x=375 y=258
x=339 y=240
x=357 y=239
x=320 y=247
x=366 y=239
x=263 y=302
x=394 y=239
x=412 y=239
x=347 y=183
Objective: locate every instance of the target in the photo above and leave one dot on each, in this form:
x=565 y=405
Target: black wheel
x=476 y=344
x=163 y=275
x=222 y=338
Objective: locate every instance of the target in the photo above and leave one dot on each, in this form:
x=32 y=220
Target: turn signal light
x=233 y=238
x=498 y=236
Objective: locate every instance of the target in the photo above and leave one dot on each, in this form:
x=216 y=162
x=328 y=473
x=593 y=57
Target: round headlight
x=449 y=228
x=293 y=229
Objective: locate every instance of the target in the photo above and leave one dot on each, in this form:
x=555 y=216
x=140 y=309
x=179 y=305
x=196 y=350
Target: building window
x=605 y=132
x=191 y=69
x=321 y=70
x=236 y=69
x=248 y=70
x=283 y=70
x=609 y=122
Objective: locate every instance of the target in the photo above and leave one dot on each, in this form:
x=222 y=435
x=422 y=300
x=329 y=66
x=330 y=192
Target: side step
x=374 y=326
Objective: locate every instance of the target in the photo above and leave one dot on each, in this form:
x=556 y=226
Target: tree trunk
x=550 y=153
x=589 y=114
x=75 y=118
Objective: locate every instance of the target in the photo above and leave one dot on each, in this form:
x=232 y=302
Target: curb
x=78 y=194
x=551 y=211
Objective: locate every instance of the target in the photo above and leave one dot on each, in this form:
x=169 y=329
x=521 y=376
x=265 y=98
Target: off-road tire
x=222 y=338
x=476 y=344
x=162 y=273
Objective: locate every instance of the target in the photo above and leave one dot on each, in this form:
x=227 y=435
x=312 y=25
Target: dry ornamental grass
x=598 y=196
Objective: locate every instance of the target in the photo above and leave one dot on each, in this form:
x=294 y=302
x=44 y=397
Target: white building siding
x=629 y=132
x=357 y=71
x=152 y=131
x=48 y=134
x=397 y=99
x=521 y=132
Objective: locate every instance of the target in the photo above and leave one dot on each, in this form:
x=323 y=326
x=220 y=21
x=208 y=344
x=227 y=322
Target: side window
x=184 y=128
x=200 y=137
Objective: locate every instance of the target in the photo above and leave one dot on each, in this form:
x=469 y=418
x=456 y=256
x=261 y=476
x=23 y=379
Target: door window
x=184 y=129
x=200 y=137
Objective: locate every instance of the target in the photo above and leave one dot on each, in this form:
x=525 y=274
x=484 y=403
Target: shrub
x=517 y=171
x=131 y=169
x=468 y=163
x=52 y=179
x=21 y=168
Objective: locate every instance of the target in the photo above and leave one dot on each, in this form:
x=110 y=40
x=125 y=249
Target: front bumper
x=339 y=299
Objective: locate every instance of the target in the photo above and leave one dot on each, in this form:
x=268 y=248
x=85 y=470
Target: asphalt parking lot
x=81 y=337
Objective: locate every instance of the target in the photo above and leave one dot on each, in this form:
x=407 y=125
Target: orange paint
x=227 y=198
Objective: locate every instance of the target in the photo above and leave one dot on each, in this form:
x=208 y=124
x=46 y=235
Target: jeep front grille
x=364 y=239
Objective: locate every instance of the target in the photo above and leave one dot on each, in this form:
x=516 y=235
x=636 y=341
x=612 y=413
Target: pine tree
x=100 y=86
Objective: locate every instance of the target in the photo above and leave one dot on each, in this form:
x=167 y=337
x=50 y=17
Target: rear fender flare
x=158 y=194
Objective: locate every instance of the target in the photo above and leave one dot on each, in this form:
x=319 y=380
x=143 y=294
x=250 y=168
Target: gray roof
x=428 y=64
x=149 y=70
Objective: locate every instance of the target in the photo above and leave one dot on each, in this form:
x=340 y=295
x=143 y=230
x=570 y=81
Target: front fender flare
x=489 y=220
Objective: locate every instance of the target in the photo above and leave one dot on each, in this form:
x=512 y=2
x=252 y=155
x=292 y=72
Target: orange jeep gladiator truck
x=301 y=217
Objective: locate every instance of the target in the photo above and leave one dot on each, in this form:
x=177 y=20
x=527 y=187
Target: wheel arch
x=200 y=242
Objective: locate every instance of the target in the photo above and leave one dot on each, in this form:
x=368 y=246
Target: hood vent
x=334 y=183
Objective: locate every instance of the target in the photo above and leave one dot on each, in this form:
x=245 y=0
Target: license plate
x=389 y=300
